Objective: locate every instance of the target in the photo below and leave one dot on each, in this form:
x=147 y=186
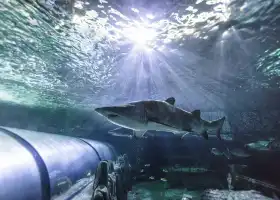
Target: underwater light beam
x=140 y=36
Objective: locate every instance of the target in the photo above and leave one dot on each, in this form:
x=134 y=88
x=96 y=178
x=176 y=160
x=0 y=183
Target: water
x=59 y=61
x=51 y=58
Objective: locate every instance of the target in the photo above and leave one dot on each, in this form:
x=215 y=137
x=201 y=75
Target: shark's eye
x=112 y=115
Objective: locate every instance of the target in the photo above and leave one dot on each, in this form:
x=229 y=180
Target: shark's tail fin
x=275 y=197
x=218 y=125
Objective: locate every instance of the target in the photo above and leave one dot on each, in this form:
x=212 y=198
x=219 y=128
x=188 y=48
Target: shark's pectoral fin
x=196 y=114
x=219 y=135
x=139 y=134
x=184 y=135
x=114 y=130
x=218 y=124
x=205 y=135
x=170 y=100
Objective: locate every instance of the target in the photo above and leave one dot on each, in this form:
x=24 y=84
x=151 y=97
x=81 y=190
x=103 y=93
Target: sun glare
x=140 y=36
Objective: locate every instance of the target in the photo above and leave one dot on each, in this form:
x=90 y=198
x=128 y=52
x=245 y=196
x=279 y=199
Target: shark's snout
x=99 y=110
x=102 y=111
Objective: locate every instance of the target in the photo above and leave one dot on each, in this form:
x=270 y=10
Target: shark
x=159 y=115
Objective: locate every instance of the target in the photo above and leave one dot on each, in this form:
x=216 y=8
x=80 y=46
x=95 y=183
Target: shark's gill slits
x=144 y=116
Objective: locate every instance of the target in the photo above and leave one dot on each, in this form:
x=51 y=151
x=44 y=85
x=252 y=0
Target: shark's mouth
x=112 y=115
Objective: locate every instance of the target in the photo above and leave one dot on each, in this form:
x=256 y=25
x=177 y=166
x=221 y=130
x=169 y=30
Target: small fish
x=230 y=153
x=261 y=145
x=152 y=178
x=163 y=179
x=165 y=170
x=239 y=153
x=239 y=166
x=188 y=169
x=216 y=152
x=147 y=165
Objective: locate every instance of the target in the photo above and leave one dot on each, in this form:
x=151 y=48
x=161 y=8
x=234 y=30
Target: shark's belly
x=161 y=127
x=140 y=126
x=130 y=124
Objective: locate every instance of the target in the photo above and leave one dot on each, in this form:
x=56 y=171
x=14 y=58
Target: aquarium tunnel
x=43 y=166
x=201 y=78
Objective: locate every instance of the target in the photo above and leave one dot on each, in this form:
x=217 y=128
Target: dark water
x=59 y=61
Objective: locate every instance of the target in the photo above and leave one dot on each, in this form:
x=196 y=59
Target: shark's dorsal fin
x=196 y=114
x=170 y=100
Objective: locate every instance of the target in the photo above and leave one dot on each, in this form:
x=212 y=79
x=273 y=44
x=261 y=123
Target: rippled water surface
x=94 y=53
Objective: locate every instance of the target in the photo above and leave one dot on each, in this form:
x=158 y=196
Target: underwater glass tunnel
x=139 y=99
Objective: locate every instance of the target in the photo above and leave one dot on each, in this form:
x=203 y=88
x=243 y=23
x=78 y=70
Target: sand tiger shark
x=142 y=116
